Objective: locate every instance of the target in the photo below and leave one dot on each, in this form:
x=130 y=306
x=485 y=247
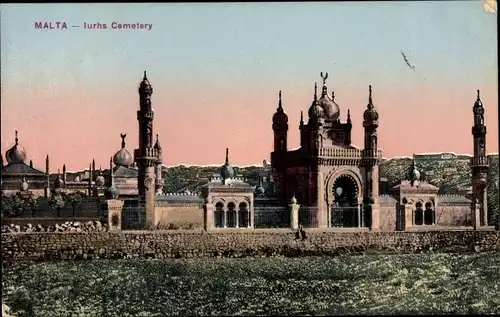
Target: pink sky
x=74 y=125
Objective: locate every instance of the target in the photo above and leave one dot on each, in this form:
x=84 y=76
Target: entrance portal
x=345 y=211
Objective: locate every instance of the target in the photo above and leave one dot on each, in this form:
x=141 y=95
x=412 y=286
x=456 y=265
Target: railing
x=133 y=217
x=308 y=217
x=479 y=161
x=271 y=217
x=347 y=217
x=149 y=153
x=348 y=153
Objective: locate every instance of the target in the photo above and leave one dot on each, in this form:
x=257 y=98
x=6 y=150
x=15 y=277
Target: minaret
x=370 y=166
x=90 y=180
x=47 y=186
x=146 y=156
x=280 y=130
x=479 y=165
x=111 y=173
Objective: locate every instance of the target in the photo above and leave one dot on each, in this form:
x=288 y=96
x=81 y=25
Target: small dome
x=123 y=157
x=280 y=119
x=260 y=190
x=293 y=200
x=330 y=107
x=15 y=154
x=316 y=111
x=24 y=185
x=99 y=181
x=370 y=114
x=145 y=86
x=112 y=192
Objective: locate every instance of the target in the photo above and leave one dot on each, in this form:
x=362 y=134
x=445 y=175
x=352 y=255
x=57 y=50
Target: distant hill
x=450 y=172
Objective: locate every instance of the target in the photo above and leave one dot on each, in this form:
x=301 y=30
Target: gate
x=346 y=217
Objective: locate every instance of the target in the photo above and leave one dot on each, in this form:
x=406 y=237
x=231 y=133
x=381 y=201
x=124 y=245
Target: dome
x=280 y=119
x=370 y=114
x=15 y=154
x=112 y=192
x=260 y=190
x=145 y=86
x=99 y=181
x=293 y=200
x=226 y=169
x=123 y=157
x=316 y=111
x=330 y=107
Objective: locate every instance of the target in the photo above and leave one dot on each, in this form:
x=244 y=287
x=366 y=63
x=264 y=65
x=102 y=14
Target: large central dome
x=332 y=110
x=123 y=157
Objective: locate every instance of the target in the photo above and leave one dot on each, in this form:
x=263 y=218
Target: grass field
x=369 y=284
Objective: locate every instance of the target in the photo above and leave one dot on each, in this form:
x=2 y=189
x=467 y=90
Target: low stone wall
x=257 y=242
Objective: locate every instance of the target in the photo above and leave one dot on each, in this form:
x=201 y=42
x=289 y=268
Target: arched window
x=429 y=214
x=219 y=215
x=243 y=216
x=231 y=215
x=419 y=214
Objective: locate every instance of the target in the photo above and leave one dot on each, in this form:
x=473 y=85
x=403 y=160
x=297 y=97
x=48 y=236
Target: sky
x=216 y=69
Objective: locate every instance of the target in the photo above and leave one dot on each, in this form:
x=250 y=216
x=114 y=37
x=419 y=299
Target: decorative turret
x=370 y=123
x=112 y=192
x=226 y=171
x=316 y=112
x=280 y=127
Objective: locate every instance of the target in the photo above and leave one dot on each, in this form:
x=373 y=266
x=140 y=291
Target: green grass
x=370 y=284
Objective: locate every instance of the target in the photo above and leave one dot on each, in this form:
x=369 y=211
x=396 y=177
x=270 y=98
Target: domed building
x=124 y=172
x=229 y=200
x=18 y=176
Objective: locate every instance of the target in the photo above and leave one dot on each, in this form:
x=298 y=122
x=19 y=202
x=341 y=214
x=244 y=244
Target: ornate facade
x=339 y=183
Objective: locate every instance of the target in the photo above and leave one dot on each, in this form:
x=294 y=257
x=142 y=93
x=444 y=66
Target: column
x=321 y=215
x=359 y=216
x=294 y=215
x=224 y=219
x=485 y=205
x=408 y=211
x=237 y=216
x=249 y=216
x=476 y=215
x=151 y=220
x=209 y=216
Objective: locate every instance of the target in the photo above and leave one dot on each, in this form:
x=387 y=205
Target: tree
x=13 y=206
x=33 y=203
x=73 y=199
x=57 y=202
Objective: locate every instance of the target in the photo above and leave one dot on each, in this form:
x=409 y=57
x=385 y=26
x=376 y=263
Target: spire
x=315 y=91
x=145 y=77
x=370 y=101
x=111 y=173
x=47 y=164
x=17 y=140
x=301 y=117
x=333 y=95
x=93 y=166
x=227 y=156
x=31 y=163
x=348 y=116
x=324 y=92
x=478 y=102
x=64 y=168
x=123 y=139
x=280 y=104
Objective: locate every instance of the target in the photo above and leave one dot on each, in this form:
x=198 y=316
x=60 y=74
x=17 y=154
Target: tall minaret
x=146 y=155
x=280 y=130
x=370 y=165
x=159 y=182
x=479 y=165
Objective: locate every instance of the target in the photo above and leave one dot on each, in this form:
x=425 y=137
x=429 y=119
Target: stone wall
x=237 y=243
